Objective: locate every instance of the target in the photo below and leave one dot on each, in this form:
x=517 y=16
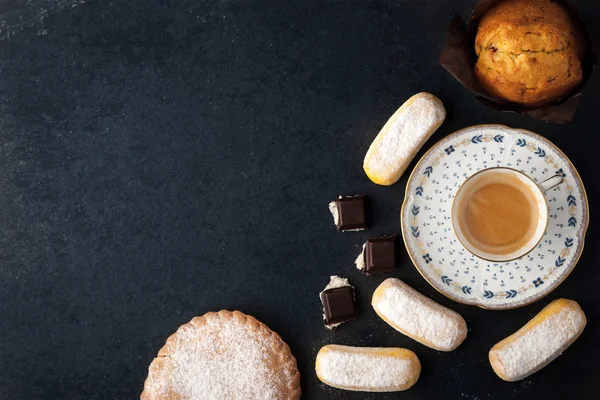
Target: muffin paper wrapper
x=458 y=57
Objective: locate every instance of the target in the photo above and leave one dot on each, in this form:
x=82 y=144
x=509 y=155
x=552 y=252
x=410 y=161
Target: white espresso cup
x=489 y=215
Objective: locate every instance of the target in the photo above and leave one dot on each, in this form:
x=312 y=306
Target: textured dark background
x=160 y=159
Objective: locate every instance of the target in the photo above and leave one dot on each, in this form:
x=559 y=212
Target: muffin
x=529 y=51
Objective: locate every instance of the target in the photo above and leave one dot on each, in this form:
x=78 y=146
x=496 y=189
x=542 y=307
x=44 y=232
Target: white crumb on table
x=336 y=282
x=334 y=212
x=360 y=260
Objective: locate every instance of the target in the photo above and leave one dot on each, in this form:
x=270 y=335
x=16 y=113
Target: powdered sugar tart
x=439 y=255
x=223 y=355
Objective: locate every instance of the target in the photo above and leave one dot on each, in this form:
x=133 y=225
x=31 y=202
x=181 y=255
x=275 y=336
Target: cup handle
x=550 y=183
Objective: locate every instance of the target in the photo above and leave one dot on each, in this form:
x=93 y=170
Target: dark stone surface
x=160 y=159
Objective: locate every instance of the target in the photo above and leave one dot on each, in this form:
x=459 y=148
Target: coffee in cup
x=500 y=214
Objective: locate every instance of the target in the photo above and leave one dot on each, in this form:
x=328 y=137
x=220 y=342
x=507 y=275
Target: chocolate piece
x=351 y=213
x=338 y=305
x=380 y=254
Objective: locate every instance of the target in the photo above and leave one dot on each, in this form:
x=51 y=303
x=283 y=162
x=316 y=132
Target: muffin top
x=529 y=51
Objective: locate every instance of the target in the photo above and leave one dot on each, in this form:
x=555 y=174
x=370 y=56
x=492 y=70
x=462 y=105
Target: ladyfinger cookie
x=539 y=342
x=367 y=369
x=418 y=317
x=402 y=136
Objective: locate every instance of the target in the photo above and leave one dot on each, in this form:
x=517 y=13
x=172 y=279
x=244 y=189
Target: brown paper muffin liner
x=458 y=57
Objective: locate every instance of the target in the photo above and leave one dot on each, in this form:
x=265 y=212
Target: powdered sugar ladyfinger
x=539 y=342
x=402 y=136
x=418 y=317
x=367 y=369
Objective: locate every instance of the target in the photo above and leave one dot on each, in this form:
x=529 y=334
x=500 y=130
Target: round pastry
x=223 y=355
x=529 y=51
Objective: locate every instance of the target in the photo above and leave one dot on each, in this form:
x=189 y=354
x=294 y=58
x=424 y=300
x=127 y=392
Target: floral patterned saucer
x=434 y=247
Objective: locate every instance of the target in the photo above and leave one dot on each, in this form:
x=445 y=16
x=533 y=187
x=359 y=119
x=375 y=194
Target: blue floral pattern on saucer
x=434 y=247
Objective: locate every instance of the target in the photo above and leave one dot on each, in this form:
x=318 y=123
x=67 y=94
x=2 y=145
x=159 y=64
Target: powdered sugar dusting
x=419 y=317
x=32 y=14
x=360 y=370
x=533 y=349
x=407 y=132
x=221 y=359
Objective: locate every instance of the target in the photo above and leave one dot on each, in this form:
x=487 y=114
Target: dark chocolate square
x=339 y=305
x=351 y=213
x=380 y=254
